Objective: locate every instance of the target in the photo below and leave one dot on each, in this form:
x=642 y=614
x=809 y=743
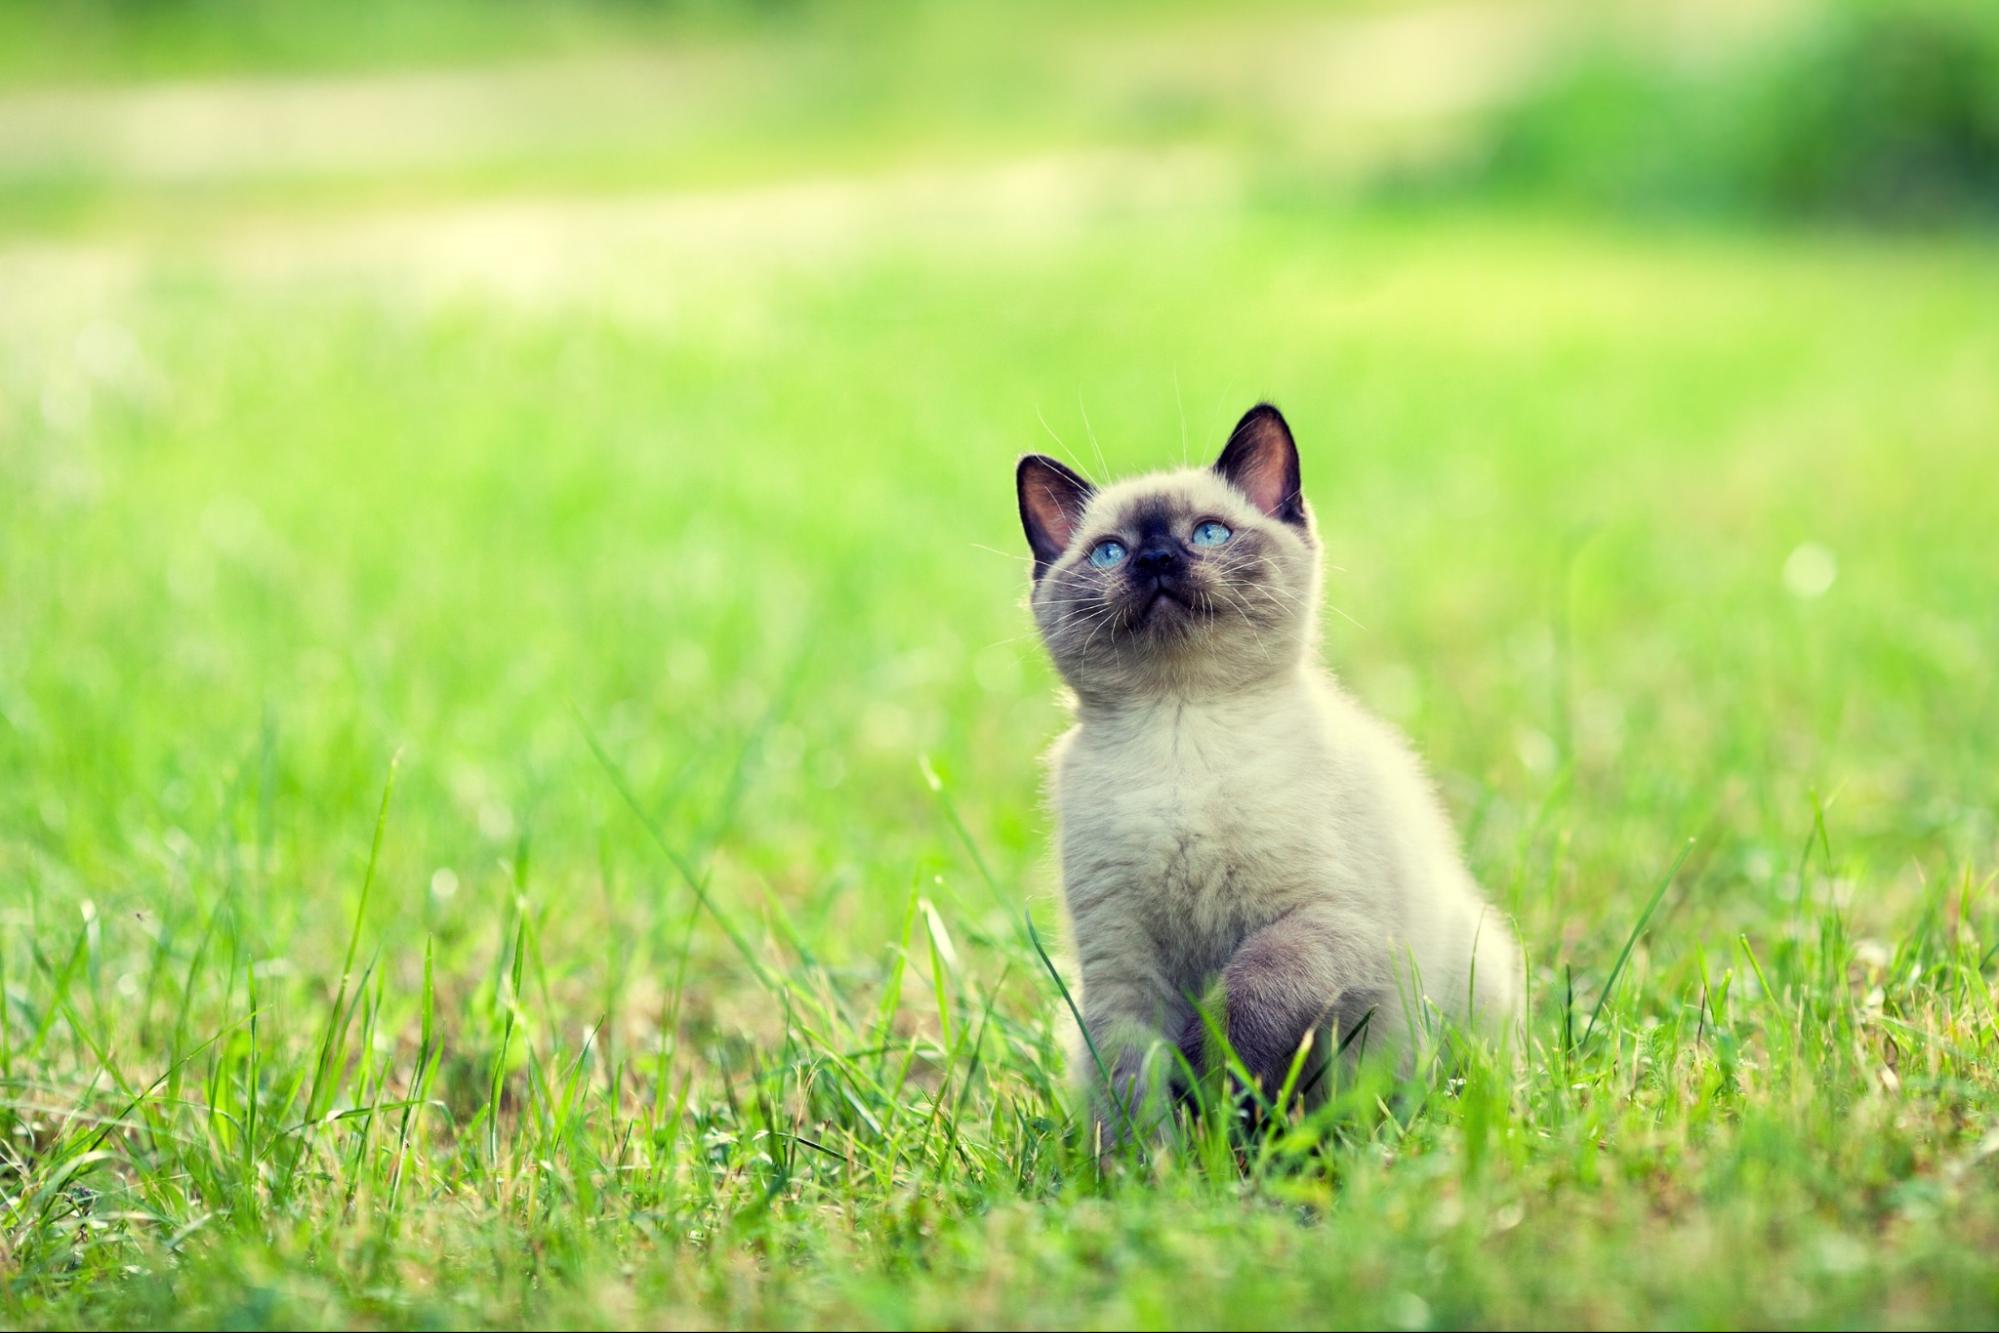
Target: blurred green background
x=476 y=383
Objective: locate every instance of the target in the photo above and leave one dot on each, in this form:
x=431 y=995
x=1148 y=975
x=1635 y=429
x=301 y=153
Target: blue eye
x=1105 y=554
x=1211 y=533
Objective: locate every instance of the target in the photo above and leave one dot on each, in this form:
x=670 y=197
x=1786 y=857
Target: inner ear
x=1052 y=500
x=1261 y=461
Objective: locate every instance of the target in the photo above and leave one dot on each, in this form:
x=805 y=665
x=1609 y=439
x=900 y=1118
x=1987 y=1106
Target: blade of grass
x=1090 y=1042
x=1631 y=941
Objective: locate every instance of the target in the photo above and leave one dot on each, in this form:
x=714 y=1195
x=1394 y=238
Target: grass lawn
x=682 y=978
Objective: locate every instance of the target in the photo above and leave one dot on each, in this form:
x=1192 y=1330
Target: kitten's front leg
x=1128 y=1010
x=1282 y=982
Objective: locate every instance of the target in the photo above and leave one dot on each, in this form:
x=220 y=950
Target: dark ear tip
x=1262 y=412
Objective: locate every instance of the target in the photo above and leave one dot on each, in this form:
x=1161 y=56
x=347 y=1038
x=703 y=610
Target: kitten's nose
x=1161 y=560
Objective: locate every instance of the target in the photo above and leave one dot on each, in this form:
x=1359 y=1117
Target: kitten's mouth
x=1166 y=601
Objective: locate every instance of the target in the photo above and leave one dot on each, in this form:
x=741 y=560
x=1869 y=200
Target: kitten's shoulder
x=1378 y=755
x=1348 y=715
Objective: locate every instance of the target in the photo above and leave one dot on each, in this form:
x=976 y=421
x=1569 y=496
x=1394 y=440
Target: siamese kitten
x=1237 y=834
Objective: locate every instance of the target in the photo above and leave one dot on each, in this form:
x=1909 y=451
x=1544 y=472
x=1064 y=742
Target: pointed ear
x=1261 y=461
x=1051 y=505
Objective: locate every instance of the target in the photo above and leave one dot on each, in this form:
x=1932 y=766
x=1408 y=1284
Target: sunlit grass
x=685 y=976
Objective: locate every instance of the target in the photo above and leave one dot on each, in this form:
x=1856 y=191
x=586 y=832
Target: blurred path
x=560 y=247
x=551 y=179
x=1431 y=60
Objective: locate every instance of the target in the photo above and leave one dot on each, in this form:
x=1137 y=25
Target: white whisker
x=1106 y=467
x=1062 y=446
x=1180 y=406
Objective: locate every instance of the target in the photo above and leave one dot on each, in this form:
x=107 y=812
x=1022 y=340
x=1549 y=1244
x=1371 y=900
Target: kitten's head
x=1187 y=582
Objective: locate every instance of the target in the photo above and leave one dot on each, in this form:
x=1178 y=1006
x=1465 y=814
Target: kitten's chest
x=1201 y=826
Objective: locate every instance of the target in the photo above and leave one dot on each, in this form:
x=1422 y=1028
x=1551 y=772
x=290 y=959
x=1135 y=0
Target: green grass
x=521 y=806
x=526 y=1077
